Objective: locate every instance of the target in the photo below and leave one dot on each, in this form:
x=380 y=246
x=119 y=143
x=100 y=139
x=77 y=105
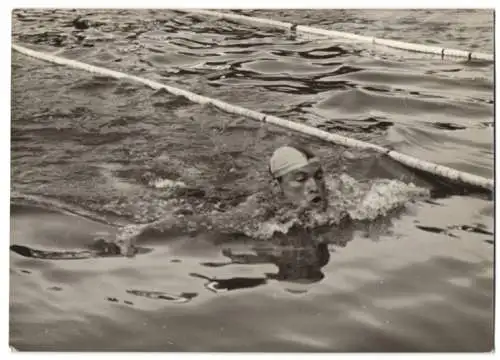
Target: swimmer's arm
x=170 y=225
x=229 y=222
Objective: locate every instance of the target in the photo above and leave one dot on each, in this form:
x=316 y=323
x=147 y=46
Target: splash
x=348 y=199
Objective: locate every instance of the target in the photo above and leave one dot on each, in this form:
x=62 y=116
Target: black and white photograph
x=252 y=180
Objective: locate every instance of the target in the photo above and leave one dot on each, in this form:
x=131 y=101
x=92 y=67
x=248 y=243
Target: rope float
x=435 y=169
x=332 y=33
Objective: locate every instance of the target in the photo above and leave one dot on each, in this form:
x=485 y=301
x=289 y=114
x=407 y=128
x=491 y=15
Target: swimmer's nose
x=311 y=186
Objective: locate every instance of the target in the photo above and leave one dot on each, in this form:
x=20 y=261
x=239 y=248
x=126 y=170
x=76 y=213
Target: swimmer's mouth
x=316 y=200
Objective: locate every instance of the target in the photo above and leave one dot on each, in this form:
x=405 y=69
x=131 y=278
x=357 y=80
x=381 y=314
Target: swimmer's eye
x=318 y=175
x=300 y=177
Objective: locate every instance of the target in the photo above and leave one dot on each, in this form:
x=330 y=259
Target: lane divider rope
x=437 y=50
x=435 y=169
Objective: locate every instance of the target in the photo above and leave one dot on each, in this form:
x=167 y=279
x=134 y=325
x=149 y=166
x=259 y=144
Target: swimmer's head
x=300 y=176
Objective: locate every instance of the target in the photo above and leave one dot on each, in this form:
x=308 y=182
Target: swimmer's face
x=305 y=187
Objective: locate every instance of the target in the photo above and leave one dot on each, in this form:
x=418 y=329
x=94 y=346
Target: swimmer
x=297 y=175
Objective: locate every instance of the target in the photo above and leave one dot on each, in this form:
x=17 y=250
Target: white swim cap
x=286 y=159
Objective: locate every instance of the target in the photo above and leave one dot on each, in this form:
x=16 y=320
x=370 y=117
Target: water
x=91 y=154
